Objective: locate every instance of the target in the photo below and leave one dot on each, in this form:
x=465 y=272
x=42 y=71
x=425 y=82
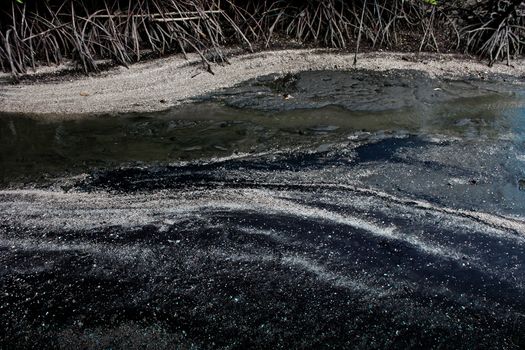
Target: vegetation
x=48 y=32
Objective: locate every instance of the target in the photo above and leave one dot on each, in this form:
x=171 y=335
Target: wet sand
x=163 y=83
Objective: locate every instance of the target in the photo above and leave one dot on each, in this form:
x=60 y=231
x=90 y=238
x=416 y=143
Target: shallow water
x=35 y=149
x=388 y=215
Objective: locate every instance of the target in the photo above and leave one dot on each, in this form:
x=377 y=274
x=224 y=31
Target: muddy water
x=346 y=209
x=224 y=125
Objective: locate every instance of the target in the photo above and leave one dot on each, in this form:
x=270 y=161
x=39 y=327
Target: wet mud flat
x=345 y=230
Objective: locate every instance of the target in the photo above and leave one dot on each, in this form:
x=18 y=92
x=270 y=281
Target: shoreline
x=160 y=84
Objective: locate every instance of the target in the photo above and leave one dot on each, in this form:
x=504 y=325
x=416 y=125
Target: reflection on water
x=33 y=149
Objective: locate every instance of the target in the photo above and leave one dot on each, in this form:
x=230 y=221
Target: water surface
x=324 y=210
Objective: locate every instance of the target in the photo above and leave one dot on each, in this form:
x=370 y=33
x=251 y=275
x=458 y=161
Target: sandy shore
x=163 y=83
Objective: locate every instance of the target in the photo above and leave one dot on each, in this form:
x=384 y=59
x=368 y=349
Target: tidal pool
x=321 y=210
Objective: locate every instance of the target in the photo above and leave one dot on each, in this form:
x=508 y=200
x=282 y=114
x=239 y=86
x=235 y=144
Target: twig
x=360 y=31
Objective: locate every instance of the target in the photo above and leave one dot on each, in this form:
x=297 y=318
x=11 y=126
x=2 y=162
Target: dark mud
x=392 y=230
x=357 y=91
